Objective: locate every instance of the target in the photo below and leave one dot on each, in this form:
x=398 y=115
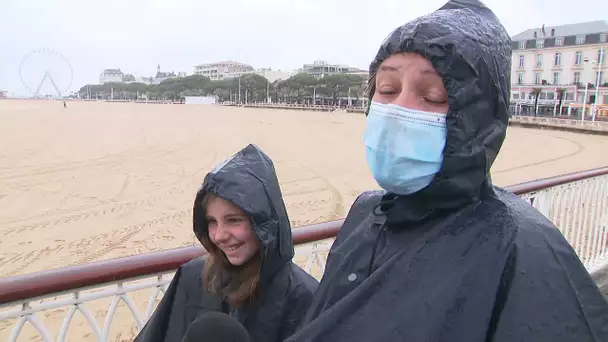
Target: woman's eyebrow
x=389 y=68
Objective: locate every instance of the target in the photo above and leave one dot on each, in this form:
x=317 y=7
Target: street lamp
x=597 y=84
x=585 y=61
x=597 y=81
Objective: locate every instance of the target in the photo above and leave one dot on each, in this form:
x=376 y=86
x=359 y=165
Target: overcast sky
x=135 y=35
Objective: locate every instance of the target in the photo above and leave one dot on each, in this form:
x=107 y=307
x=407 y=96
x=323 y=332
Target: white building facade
x=566 y=57
x=320 y=68
x=206 y=100
x=223 y=70
x=274 y=75
x=111 y=76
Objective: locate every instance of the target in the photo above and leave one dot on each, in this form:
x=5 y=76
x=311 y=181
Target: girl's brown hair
x=237 y=284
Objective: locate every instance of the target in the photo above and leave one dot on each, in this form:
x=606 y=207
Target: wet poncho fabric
x=248 y=180
x=461 y=260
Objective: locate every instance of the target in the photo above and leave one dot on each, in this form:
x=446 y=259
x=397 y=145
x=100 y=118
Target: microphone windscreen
x=216 y=327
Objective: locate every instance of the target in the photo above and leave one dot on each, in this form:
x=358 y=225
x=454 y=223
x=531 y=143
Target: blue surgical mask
x=404 y=147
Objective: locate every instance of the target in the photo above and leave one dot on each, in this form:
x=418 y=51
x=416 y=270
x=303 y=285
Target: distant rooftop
x=589 y=27
x=221 y=63
x=165 y=74
x=112 y=72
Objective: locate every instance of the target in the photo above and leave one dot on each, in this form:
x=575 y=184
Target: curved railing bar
x=66 y=279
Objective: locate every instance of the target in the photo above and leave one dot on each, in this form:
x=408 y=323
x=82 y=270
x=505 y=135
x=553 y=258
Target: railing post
x=34 y=321
x=542 y=203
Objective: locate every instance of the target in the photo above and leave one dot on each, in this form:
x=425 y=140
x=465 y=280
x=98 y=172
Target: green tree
x=253 y=86
x=128 y=78
x=301 y=88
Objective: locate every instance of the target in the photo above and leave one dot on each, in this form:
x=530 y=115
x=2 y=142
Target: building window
x=580 y=39
x=540 y=43
x=539 y=60
x=558 y=58
x=599 y=78
x=556 y=78
x=559 y=41
x=537 y=78
x=602 y=37
x=552 y=32
x=522 y=45
x=579 y=58
x=577 y=77
x=521 y=61
x=520 y=78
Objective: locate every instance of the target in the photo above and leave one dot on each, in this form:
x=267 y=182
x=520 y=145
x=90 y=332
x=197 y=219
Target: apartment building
x=223 y=70
x=320 y=68
x=566 y=57
x=111 y=76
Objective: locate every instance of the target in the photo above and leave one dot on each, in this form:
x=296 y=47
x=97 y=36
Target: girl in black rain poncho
x=442 y=254
x=241 y=220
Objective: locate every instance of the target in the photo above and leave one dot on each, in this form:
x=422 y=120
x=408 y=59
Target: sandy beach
x=103 y=180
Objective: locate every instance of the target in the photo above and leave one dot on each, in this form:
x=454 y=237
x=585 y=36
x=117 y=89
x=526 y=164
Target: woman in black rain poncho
x=442 y=254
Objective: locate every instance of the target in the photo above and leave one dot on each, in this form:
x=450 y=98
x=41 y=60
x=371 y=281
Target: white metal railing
x=561 y=122
x=578 y=208
x=16 y=316
x=326 y=108
x=76 y=302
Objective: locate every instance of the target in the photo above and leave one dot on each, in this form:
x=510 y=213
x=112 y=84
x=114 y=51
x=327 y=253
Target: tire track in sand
x=579 y=149
x=57 y=216
x=87 y=249
x=308 y=195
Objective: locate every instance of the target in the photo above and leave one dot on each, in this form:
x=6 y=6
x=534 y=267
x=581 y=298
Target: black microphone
x=216 y=327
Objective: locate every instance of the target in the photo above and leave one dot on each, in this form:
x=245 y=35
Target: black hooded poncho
x=461 y=260
x=248 y=180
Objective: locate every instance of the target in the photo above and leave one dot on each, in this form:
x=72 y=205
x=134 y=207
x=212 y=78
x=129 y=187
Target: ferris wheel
x=46 y=70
